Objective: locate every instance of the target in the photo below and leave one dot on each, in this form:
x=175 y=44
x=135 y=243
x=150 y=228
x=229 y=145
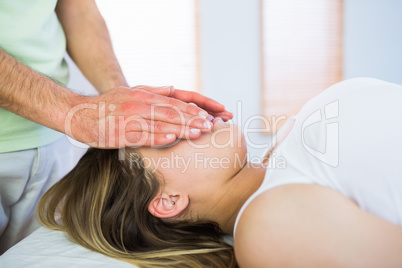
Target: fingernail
x=195 y=130
x=171 y=88
x=203 y=114
x=207 y=124
x=210 y=117
x=170 y=136
x=218 y=120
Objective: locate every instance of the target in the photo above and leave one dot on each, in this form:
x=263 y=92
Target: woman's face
x=199 y=167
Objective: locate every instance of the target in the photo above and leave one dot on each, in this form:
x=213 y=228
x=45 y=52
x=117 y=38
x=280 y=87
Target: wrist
x=69 y=103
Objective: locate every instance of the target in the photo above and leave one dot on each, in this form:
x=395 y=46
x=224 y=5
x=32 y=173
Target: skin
x=222 y=165
x=297 y=231
x=130 y=115
x=294 y=229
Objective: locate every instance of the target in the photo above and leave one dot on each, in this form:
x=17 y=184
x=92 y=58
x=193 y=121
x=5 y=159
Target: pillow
x=46 y=248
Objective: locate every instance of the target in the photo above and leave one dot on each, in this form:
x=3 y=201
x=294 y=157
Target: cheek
x=180 y=180
x=181 y=169
x=217 y=164
x=226 y=153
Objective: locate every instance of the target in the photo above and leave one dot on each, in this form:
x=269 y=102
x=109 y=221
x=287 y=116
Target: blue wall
x=373 y=39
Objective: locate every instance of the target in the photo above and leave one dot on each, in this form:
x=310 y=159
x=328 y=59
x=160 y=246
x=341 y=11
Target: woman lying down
x=335 y=200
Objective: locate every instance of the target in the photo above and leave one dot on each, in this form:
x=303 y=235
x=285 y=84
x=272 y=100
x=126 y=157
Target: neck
x=234 y=194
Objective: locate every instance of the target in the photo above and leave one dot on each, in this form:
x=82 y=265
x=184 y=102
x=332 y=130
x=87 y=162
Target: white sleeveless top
x=348 y=138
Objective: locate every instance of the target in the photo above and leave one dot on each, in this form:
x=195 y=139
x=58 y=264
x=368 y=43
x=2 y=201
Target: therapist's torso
x=31 y=33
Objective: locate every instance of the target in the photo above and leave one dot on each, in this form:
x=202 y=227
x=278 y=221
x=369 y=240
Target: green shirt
x=31 y=32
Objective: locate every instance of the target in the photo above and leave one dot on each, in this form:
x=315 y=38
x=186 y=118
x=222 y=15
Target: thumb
x=164 y=91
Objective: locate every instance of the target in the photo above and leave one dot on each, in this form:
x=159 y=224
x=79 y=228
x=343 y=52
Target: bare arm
x=32 y=95
x=314 y=226
x=118 y=118
x=89 y=44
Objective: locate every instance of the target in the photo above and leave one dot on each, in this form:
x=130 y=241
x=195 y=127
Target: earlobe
x=167 y=206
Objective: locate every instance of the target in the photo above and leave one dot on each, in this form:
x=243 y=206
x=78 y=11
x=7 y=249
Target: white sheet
x=45 y=248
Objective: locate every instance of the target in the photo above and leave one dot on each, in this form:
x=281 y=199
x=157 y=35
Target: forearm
x=89 y=44
x=32 y=95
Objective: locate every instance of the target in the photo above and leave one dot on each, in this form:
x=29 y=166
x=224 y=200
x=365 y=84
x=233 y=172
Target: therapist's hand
x=213 y=108
x=140 y=116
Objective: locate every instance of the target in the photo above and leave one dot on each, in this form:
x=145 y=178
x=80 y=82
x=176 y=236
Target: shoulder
x=314 y=226
x=264 y=229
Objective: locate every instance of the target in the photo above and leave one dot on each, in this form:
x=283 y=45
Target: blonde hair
x=103 y=206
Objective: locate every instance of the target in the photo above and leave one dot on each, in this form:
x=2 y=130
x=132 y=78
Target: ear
x=167 y=206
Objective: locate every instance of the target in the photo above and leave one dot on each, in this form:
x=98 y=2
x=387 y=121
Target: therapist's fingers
x=168 y=91
x=225 y=115
x=164 y=91
x=210 y=106
x=156 y=100
x=160 y=127
x=139 y=139
x=200 y=100
x=142 y=138
x=171 y=115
